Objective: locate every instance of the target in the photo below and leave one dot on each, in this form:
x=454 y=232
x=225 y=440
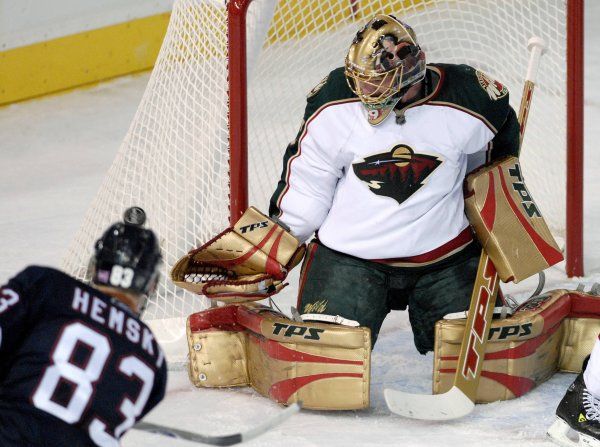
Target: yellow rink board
x=79 y=59
x=104 y=53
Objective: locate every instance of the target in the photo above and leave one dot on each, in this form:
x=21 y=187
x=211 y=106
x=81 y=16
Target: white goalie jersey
x=393 y=191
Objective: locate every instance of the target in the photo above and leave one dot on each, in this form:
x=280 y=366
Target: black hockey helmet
x=127 y=256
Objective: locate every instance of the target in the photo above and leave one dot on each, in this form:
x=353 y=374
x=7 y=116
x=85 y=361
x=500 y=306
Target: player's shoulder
x=467 y=88
x=35 y=276
x=332 y=89
x=37 y=272
x=42 y=289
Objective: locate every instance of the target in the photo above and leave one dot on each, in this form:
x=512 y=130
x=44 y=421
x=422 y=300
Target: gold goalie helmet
x=383 y=61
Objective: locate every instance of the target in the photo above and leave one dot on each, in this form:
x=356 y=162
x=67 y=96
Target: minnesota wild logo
x=493 y=88
x=318 y=87
x=398 y=173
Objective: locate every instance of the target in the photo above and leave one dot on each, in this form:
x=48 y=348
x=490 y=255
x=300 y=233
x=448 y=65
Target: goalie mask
x=383 y=61
x=127 y=256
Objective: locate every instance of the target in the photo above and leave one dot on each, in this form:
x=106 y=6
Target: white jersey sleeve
x=312 y=176
x=314 y=163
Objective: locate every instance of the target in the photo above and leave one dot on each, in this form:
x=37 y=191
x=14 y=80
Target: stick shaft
x=536 y=47
x=524 y=109
x=485 y=289
x=222 y=440
x=477 y=327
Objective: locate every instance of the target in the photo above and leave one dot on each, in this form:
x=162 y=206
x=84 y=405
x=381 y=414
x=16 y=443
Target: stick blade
x=221 y=440
x=453 y=404
x=272 y=422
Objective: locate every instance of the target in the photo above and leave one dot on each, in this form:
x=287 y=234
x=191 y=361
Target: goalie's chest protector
x=400 y=190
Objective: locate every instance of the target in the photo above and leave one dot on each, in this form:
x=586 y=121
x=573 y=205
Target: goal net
x=174 y=161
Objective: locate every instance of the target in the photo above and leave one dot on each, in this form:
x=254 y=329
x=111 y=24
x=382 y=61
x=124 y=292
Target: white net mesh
x=174 y=160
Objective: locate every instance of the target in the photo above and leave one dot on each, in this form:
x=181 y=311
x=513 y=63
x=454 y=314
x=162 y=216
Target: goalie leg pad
x=325 y=366
x=549 y=333
x=217 y=357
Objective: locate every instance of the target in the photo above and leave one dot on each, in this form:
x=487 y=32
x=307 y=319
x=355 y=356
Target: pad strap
x=334 y=319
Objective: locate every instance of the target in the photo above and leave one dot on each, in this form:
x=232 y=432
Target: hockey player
x=579 y=409
x=77 y=365
x=377 y=172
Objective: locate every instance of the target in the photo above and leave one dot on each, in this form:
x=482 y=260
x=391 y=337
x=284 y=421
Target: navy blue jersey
x=77 y=367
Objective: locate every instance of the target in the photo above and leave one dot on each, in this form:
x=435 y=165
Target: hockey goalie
x=376 y=173
x=323 y=359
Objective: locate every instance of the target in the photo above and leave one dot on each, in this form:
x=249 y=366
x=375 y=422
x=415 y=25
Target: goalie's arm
x=506 y=142
x=305 y=191
x=313 y=163
x=495 y=123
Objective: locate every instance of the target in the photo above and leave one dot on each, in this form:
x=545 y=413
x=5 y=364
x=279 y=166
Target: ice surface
x=54 y=153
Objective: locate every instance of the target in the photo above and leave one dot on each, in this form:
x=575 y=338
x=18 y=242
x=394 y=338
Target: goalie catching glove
x=246 y=262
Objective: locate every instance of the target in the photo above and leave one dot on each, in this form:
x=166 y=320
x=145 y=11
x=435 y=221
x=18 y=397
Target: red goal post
x=574 y=119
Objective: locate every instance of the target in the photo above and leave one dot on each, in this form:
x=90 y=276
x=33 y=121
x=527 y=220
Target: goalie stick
x=460 y=399
x=233 y=439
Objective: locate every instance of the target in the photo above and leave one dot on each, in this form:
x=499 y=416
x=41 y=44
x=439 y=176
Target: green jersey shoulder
x=474 y=92
x=330 y=90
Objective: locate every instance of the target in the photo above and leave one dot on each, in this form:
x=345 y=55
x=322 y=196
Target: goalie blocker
x=507 y=221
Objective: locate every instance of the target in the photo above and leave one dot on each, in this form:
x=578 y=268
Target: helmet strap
x=422 y=93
